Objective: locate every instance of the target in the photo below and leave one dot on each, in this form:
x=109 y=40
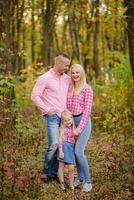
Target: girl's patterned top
x=68 y=136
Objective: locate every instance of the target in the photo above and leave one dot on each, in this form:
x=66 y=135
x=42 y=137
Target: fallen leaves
x=8 y=170
x=22 y=183
x=104 y=189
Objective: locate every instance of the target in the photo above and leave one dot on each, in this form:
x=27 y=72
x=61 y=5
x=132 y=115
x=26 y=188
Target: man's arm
x=37 y=92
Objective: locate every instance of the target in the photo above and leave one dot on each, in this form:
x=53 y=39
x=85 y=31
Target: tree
x=95 y=41
x=5 y=37
x=33 y=32
x=130 y=30
x=49 y=21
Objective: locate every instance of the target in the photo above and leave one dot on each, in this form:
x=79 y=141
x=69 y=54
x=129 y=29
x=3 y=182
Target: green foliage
x=6 y=84
x=113 y=114
x=122 y=72
x=117 y=95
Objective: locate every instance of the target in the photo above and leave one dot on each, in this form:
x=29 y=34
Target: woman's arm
x=88 y=100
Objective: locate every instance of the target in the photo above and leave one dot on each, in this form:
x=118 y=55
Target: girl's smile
x=68 y=122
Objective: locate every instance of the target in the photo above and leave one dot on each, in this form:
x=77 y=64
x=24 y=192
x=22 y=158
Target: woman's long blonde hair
x=82 y=80
x=65 y=114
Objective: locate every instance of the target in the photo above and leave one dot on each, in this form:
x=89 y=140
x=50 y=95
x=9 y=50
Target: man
x=50 y=96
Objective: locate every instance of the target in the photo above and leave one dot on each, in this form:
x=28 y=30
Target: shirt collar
x=55 y=74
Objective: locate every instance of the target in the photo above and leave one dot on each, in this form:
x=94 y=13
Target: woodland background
x=99 y=34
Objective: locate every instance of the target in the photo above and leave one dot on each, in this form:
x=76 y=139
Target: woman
x=79 y=103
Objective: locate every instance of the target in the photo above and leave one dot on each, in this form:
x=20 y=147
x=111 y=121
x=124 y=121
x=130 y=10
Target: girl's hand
x=76 y=132
x=76 y=138
x=61 y=154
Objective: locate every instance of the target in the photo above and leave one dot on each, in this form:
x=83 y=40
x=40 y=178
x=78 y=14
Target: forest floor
x=25 y=153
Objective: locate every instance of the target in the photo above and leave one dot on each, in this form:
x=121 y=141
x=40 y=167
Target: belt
x=77 y=115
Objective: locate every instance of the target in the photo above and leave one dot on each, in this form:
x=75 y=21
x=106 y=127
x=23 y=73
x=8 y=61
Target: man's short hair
x=64 y=55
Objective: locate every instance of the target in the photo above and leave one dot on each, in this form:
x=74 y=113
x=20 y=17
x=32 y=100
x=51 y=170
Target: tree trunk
x=72 y=37
x=116 y=39
x=96 y=66
x=86 y=58
x=102 y=33
x=130 y=30
x=33 y=33
x=19 y=25
x=24 y=46
x=64 y=36
x=17 y=15
x=5 y=37
x=48 y=29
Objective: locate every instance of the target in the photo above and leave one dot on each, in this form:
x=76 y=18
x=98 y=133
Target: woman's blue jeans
x=52 y=128
x=83 y=172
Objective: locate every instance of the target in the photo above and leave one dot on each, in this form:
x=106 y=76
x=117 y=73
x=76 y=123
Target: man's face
x=63 y=65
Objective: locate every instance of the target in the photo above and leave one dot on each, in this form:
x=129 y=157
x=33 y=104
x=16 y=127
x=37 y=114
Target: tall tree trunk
x=72 y=37
x=130 y=30
x=74 y=32
x=48 y=29
x=116 y=39
x=5 y=37
x=77 y=44
x=57 y=46
x=17 y=13
x=96 y=66
x=103 y=46
x=19 y=25
x=24 y=46
x=33 y=33
x=86 y=53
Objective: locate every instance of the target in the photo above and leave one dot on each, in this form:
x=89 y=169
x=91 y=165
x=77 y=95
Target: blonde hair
x=82 y=79
x=64 y=115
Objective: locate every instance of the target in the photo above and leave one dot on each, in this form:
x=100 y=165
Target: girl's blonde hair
x=64 y=115
x=82 y=79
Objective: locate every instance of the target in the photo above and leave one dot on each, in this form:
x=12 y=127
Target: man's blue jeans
x=52 y=128
x=83 y=172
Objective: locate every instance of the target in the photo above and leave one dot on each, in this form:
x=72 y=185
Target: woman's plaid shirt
x=81 y=103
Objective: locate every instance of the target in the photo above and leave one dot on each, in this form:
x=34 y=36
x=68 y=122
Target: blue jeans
x=83 y=172
x=52 y=127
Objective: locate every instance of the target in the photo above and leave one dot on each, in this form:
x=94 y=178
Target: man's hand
x=52 y=111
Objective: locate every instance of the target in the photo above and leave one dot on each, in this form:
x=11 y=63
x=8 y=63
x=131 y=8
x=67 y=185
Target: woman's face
x=75 y=74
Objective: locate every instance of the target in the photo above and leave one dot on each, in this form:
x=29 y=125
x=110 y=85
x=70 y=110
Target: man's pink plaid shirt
x=81 y=103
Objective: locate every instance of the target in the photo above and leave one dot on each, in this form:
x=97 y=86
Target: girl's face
x=68 y=122
x=75 y=74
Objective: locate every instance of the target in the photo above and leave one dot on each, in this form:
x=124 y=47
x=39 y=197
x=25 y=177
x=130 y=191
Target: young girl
x=66 y=148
